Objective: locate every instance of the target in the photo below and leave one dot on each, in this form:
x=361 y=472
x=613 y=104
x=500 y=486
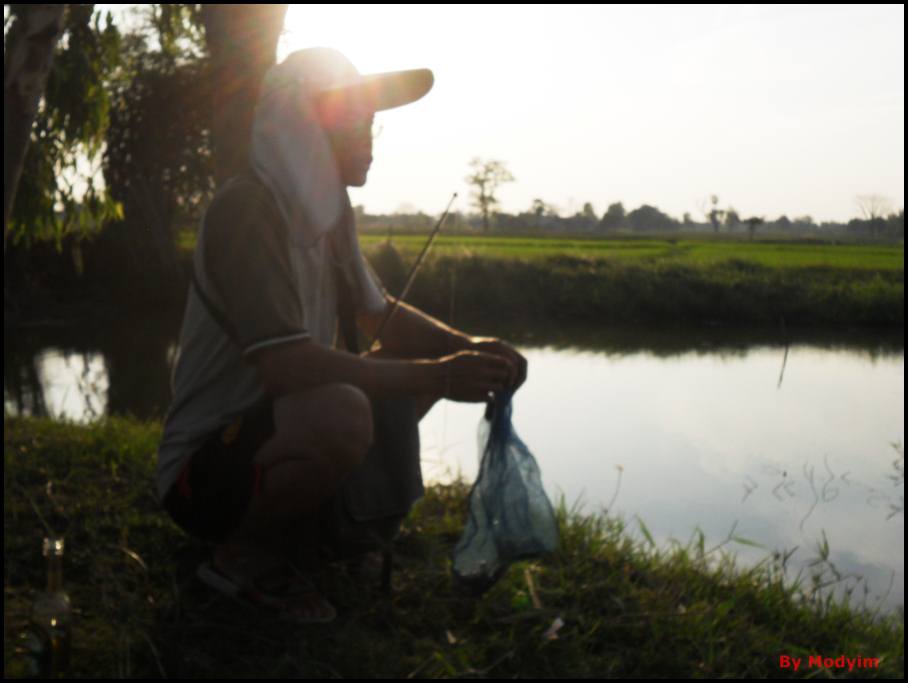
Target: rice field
x=692 y=279
x=688 y=252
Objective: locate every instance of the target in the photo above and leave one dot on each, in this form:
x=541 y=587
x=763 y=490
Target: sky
x=792 y=109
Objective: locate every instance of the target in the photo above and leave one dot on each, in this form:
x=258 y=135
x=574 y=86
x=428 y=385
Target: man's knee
x=331 y=422
x=351 y=422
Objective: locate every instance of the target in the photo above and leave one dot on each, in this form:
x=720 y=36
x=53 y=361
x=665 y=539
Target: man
x=268 y=419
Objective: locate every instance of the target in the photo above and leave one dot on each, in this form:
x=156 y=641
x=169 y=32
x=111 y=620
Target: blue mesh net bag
x=510 y=516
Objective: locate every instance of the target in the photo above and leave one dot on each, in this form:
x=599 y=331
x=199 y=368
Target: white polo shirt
x=271 y=290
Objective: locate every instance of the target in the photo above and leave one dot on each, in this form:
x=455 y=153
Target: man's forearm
x=413 y=334
x=295 y=367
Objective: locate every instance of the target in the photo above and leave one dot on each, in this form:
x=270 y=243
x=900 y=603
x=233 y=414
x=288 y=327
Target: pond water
x=735 y=433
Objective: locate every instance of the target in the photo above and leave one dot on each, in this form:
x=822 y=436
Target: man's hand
x=469 y=376
x=517 y=364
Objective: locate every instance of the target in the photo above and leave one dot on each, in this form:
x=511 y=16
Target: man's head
x=345 y=103
x=311 y=133
x=350 y=134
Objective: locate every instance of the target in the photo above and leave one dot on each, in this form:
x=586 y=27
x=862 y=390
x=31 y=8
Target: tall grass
x=604 y=604
x=684 y=252
x=563 y=287
x=684 y=279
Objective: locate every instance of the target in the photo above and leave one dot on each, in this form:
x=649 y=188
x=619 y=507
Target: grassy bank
x=627 y=609
x=686 y=251
x=710 y=284
x=679 y=280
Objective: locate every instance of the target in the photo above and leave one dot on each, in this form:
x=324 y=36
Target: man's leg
x=320 y=436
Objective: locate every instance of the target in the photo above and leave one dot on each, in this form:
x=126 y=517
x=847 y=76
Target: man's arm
x=410 y=333
x=294 y=366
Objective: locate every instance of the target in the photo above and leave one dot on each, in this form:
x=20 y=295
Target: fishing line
x=444 y=422
x=393 y=309
x=785 y=357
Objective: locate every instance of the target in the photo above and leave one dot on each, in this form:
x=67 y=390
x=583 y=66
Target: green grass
x=629 y=609
x=696 y=251
x=690 y=252
x=698 y=280
x=676 y=290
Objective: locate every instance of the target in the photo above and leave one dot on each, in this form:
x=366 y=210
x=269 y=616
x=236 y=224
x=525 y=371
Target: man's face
x=350 y=136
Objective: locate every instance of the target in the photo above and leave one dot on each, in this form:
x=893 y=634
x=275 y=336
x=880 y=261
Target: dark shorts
x=212 y=494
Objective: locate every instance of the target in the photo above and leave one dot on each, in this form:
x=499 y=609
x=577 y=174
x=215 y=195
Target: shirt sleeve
x=372 y=292
x=247 y=262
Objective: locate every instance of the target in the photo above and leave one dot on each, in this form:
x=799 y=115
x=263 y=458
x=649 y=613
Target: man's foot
x=266 y=581
x=367 y=567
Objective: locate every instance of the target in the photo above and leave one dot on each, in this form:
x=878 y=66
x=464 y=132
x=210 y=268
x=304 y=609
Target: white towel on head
x=292 y=155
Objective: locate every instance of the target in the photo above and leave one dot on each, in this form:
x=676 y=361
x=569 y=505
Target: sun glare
x=362 y=36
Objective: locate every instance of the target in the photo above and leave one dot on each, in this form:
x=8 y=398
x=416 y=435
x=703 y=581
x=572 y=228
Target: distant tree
x=892 y=226
x=783 y=223
x=873 y=206
x=731 y=218
x=896 y=225
x=614 y=218
x=538 y=209
x=803 y=224
x=752 y=224
x=584 y=220
x=649 y=218
x=858 y=227
x=687 y=220
x=485 y=179
x=715 y=214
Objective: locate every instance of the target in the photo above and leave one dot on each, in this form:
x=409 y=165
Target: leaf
x=745 y=541
x=646 y=533
x=724 y=608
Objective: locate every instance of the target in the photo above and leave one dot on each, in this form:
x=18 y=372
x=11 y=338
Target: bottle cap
x=53 y=547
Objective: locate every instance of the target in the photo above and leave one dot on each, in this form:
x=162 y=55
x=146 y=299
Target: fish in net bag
x=510 y=516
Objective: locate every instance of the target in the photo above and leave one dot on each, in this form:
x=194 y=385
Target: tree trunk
x=242 y=42
x=26 y=64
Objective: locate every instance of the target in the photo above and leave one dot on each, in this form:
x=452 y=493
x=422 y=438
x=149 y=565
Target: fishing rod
x=390 y=312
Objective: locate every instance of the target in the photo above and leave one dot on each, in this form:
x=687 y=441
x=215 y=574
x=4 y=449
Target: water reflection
x=85 y=371
x=782 y=435
x=828 y=486
x=138 y=355
x=706 y=441
x=664 y=341
x=73 y=386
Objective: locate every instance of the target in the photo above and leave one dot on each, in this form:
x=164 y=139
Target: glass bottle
x=46 y=641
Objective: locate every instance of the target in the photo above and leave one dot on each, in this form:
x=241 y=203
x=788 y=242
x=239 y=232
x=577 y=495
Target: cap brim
x=380 y=91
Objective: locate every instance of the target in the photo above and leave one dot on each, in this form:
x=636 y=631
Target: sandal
x=289 y=593
x=369 y=566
